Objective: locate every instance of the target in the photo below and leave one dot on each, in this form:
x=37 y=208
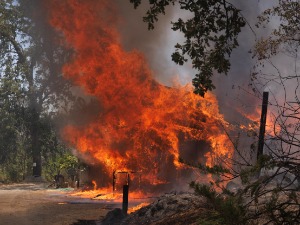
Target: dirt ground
x=35 y=204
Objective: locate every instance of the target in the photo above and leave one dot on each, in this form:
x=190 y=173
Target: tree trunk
x=34 y=124
x=35 y=144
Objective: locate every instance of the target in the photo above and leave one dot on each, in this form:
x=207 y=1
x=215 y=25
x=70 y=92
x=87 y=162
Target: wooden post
x=263 y=120
x=125 y=199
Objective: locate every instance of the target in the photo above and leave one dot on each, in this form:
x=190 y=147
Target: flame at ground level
x=108 y=195
x=142 y=125
x=137 y=199
x=151 y=147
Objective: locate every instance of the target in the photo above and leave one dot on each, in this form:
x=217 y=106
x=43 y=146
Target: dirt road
x=34 y=204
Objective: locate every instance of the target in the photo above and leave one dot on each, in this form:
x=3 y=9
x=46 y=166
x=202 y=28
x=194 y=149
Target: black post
x=114 y=181
x=125 y=199
x=263 y=120
x=77 y=178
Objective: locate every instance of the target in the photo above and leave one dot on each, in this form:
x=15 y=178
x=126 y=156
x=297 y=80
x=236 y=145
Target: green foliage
x=13 y=147
x=285 y=35
x=210 y=35
x=263 y=162
x=31 y=87
x=204 y=190
x=59 y=163
x=210 y=218
x=277 y=211
x=215 y=169
x=68 y=161
x=228 y=208
x=257 y=200
x=15 y=166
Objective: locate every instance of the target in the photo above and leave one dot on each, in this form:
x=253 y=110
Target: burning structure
x=141 y=125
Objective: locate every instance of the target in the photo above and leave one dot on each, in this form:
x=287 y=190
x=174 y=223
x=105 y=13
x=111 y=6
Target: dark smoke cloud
x=157 y=44
x=85 y=107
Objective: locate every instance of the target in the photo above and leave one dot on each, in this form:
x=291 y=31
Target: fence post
x=263 y=120
x=125 y=199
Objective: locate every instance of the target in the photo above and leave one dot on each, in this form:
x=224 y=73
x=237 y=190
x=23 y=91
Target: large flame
x=141 y=123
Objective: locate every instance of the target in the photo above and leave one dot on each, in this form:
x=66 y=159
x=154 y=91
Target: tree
x=277 y=70
x=30 y=61
x=210 y=35
x=10 y=119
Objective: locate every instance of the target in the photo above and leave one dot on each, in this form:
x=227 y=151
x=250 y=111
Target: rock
x=113 y=217
x=165 y=207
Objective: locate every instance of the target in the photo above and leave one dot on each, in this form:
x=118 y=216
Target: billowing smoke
x=141 y=125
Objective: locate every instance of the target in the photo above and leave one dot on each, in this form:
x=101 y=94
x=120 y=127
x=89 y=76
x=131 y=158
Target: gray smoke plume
x=158 y=45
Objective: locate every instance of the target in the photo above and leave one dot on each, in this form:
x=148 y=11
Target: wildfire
x=142 y=124
x=107 y=195
x=135 y=208
x=271 y=126
x=99 y=194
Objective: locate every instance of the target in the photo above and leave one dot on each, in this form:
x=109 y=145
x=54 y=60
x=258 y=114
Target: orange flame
x=142 y=123
x=272 y=127
x=94 y=185
x=139 y=206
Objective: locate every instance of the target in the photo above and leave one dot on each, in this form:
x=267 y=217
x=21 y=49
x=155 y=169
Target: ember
x=142 y=125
